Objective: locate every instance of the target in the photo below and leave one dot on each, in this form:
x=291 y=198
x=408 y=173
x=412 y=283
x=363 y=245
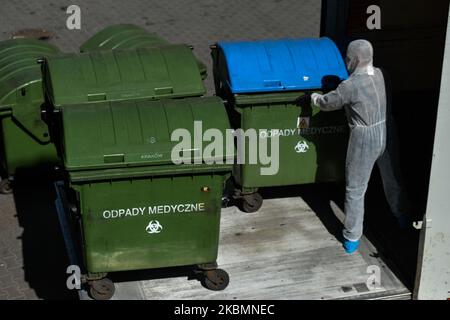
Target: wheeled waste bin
x=159 y=72
x=138 y=210
x=260 y=80
x=25 y=141
x=113 y=113
x=128 y=36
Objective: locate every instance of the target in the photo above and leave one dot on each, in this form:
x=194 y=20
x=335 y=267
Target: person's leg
x=361 y=157
x=354 y=202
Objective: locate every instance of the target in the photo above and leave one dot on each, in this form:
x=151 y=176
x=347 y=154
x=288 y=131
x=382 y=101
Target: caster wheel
x=252 y=202
x=6 y=186
x=101 y=289
x=225 y=202
x=215 y=280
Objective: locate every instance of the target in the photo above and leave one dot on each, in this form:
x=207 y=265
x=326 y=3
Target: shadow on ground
x=44 y=255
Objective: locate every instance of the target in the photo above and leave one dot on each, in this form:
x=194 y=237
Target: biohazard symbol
x=301 y=147
x=154 y=227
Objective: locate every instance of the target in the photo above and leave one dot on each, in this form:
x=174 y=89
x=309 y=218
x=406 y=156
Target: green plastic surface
x=125 y=134
x=161 y=72
x=128 y=36
x=25 y=137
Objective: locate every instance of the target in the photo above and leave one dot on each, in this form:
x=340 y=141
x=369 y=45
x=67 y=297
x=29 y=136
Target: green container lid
x=128 y=36
x=168 y=71
x=137 y=133
x=21 y=83
x=122 y=36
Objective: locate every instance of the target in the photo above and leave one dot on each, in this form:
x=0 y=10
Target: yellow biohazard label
x=303 y=122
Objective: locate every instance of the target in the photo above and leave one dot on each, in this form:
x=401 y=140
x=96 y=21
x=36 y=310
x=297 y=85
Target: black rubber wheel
x=215 y=280
x=252 y=202
x=6 y=186
x=102 y=289
x=225 y=202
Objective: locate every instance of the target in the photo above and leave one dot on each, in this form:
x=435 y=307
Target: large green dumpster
x=24 y=138
x=162 y=72
x=138 y=209
x=128 y=36
x=260 y=81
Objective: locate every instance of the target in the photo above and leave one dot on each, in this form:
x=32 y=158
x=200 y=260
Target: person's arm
x=334 y=100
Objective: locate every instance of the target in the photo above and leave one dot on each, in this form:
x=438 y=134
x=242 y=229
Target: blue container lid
x=281 y=65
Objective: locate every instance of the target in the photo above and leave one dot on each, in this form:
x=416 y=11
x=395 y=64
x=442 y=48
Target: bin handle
x=5 y=109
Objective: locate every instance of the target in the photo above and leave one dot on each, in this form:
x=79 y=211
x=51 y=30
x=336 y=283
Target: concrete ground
x=196 y=22
x=32 y=258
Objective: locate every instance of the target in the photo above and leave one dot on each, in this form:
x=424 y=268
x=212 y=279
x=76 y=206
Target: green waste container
x=25 y=141
x=161 y=72
x=122 y=36
x=260 y=81
x=138 y=209
x=128 y=36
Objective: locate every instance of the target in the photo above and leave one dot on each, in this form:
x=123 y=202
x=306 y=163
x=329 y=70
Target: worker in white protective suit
x=363 y=96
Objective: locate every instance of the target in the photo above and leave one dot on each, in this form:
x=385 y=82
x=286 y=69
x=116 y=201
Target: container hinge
x=420 y=224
